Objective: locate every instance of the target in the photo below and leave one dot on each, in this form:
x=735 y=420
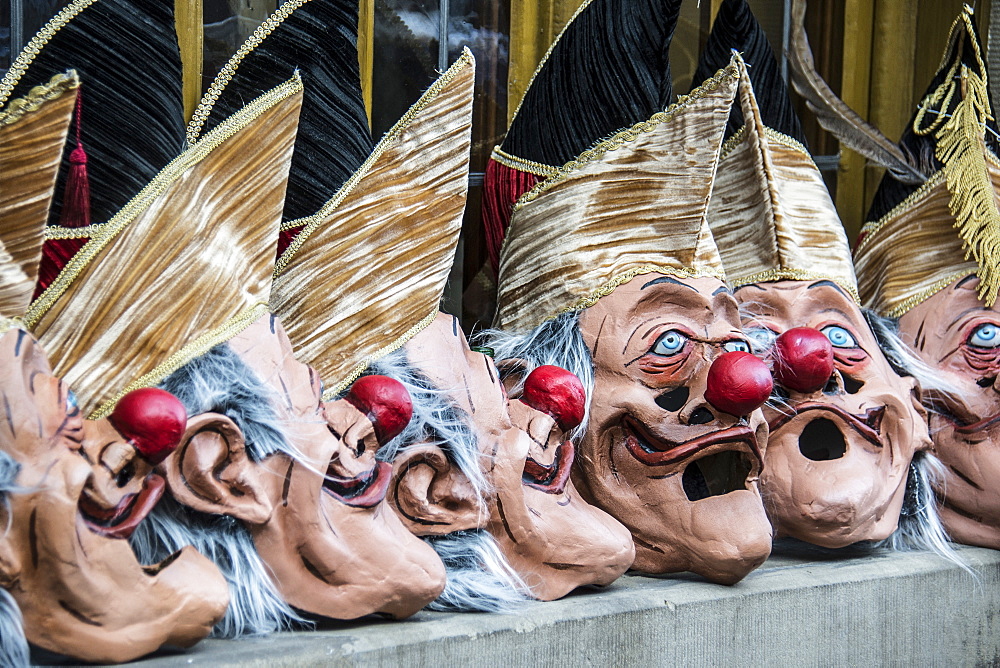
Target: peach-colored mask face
x=319 y=520
x=956 y=333
x=837 y=457
x=680 y=473
x=551 y=537
x=81 y=591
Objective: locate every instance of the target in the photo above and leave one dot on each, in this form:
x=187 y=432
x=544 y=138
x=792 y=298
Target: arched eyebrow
x=666 y=279
x=722 y=290
x=965 y=280
x=829 y=284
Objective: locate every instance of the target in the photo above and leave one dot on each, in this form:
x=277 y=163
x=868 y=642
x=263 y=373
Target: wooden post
x=189 y=22
x=366 y=50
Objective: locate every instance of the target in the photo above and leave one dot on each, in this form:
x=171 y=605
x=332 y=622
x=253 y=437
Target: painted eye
x=761 y=338
x=736 y=346
x=670 y=343
x=71 y=402
x=839 y=337
x=985 y=336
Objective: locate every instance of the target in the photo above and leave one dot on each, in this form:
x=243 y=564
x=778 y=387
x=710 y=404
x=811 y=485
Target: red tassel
x=76 y=198
x=501 y=189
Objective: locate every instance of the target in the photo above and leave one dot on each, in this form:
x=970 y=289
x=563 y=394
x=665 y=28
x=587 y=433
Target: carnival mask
x=83 y=487
x=678 y=469
x=954 y=332
x=843 y=431
x=315 y=509
x=553 y=539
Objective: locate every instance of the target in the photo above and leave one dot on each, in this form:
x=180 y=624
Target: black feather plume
x=609 y=70
x=921 y=148
x=133 y=111
x=737 y=28
x=319 y=39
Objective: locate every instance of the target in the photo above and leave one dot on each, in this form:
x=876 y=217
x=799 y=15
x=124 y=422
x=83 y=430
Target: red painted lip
x=122 y=520
x=362 y=491
x=550 y=479
x=868 y=425
x=652 y=451
x=985 y=423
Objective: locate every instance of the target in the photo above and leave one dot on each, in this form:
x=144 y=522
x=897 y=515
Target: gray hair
x=220 y=382
x=558 y=342
x=13 y=644
x=478 y=576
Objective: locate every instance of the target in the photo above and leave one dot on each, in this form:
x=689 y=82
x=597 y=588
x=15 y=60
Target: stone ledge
x=804 y=607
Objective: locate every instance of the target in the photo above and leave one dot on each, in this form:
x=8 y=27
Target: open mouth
x=122 y=520
x=653 y=451
x=716 y=474
x=362 y=491
x=550 y=479
x=823 y=439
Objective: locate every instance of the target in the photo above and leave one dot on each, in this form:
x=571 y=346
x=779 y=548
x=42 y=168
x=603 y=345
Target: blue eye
x=985 y=336
x=736 y=346
x=761 y=338
x=839 y=337
x=71 y=402
x=670 y=343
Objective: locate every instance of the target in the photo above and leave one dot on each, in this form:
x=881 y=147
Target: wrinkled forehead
x=698 y=301
x=266 y=349
x=947 y=308
x=798 y=301
x=32 y=400
x=440 y=352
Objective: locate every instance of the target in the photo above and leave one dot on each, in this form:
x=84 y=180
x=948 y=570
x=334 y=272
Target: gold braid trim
x=225 y=75
x=59 y=232
x=194 y=349
x=291 y=224
x=312 y=223
x=788 y=141
x=914 y=199
x=173 y=171
x=625 y=277
x=619 y=139
x=522 y=165
x=34 y=47
x=772 y=275
x=926 y=293
x=37 y=96
x=548 y=53
x=973 y=201
x=332 y=392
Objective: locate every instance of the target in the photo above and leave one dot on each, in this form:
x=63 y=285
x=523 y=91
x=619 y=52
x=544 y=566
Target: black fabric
x=608 y=71
x=133 y=111
x=737 y=28
x=890 y=191
x=320 y=40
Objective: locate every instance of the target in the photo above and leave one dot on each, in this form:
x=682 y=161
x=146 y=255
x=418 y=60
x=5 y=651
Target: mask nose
x=558 y=393
x=803 y=360
x=385 y=401
x=152 y=420
x=738 y=383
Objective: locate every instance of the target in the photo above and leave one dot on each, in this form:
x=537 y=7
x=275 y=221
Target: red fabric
x=501 y=189
x=56 y=254
x=285 y=239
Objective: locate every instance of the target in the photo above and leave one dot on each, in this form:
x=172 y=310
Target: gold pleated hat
x=949 y=227
x=632 y=204
x=368 y=270
x=33 y=132
x=771 y=213
x=184 y=266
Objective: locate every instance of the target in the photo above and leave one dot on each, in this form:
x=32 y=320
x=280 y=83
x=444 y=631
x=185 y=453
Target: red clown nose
x=385 y=402
x=557 y=392
x=152 y=420
x=738 y=383
x=803 y=359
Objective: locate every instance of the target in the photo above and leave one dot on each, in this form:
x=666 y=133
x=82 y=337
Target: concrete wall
x=804 y=607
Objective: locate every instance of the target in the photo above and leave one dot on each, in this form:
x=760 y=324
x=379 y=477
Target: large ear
x=211 y=472
x=922 y=419
x=431 y=495
x=10 y=565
